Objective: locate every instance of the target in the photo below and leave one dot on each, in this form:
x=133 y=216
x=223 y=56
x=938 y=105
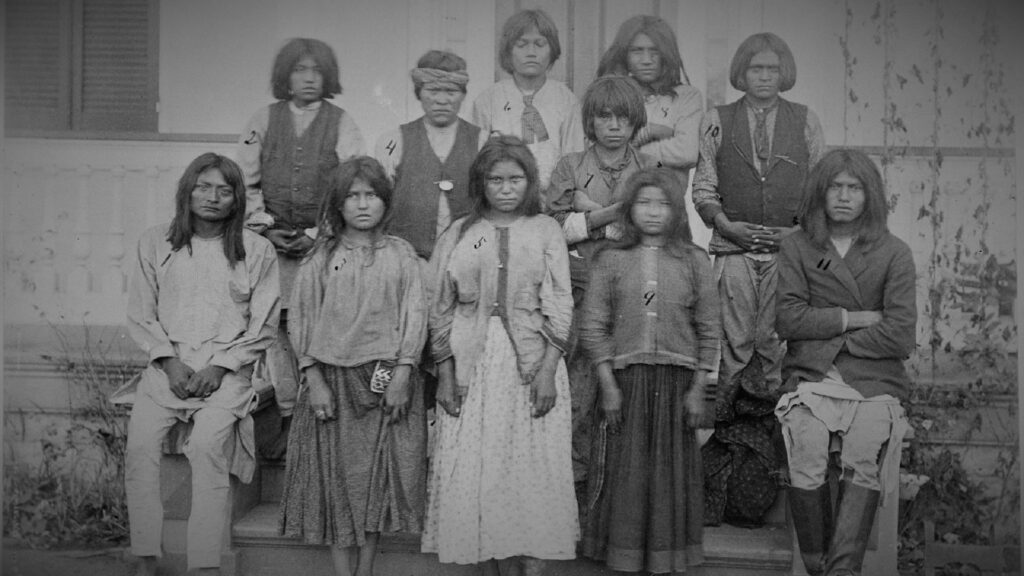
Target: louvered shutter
x=118 y=70
x=38 y=58
x=88 y=65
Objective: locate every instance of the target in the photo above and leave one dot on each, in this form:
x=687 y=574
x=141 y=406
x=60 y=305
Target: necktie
x=761 y=133
x=533 y=125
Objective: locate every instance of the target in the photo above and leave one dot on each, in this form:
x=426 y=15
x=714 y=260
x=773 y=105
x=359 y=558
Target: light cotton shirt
x=193 y=305
x=367 y=304
x=683 y=115
x=499 y=109
x=250 y=146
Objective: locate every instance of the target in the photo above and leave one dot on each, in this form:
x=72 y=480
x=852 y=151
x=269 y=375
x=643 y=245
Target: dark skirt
x=645 y=493
x=354 y=474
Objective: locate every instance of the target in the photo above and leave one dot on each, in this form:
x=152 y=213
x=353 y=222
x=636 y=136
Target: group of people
x=530 y=280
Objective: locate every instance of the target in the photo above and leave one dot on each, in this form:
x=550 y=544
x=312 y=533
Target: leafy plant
x=75 y=495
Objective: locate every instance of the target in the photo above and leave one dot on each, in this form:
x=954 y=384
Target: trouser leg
x=766 y=340
x=737 y=288
x=859 y=490
x=209 y=451
x=810 y=500
x=147 y=428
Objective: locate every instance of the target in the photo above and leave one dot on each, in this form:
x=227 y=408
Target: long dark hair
x=872 y=223
x=330 y=222
x=180 y=231
x=615 y=59
x=290 y=54
x=500 y=149
x=679 y=239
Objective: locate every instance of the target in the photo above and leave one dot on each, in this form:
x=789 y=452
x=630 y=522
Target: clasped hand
x=294 y=243
x=187 y=383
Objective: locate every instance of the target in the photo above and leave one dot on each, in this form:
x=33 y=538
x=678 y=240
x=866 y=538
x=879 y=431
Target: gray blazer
x=815 y=284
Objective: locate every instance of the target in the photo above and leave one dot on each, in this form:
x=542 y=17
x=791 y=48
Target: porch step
x=261 y=551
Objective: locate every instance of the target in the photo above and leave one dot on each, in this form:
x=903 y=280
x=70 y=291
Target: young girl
x=584 y=197
x=541 y=111
x=501 y=480
x=650 y=324
x=357 y=451
x=645 y=49
x=288 y=152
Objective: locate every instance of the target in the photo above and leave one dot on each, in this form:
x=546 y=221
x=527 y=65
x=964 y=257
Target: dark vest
x=774 y=198
x=414 y=215
x=296 y=169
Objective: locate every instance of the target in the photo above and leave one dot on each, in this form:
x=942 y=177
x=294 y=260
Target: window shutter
x=118 y=67
x=38 y=58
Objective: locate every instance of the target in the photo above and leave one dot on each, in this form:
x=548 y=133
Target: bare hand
x=299 y=245
x=750 y=237
x=696 y=407
x=611 y=408
x=542 y=392
x=862 y=319
x=281 y=239
x=656 y=132
x=178 y=375
x=396 y=398
x=581 y=202
x=321 y=401
x=206 y=381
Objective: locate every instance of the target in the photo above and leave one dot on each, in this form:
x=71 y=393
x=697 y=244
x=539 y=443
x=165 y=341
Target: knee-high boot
x=812 y=519
x=855 y=513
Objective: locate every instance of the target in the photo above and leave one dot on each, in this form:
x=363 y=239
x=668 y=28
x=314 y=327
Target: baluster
x=114 y=277
x=45 y=273
x=79 y=278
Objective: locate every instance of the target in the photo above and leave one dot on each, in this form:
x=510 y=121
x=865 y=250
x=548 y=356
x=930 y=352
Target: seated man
x=847 y=309
x=204 y=305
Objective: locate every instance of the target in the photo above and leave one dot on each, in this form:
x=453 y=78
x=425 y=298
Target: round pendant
x=446 y=185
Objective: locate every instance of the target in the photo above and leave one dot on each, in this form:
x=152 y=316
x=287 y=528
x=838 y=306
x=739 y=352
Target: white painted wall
x=215 y=57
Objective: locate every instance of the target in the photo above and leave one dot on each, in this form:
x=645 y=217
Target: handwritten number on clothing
x=479 y=243
x=507 y=107
x=589 y=178
x=252 y=139
x=712 y=130
x=649 y=297
x=664 y=112
x=823 y=264
x=391 y=147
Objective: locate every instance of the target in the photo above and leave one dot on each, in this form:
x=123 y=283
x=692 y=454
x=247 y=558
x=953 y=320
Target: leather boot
x=812 y=520
x=855 y=514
